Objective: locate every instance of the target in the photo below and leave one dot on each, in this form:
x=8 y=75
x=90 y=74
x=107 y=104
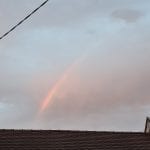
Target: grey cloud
x=59 y=13
x=113 y=83
x=128 y=15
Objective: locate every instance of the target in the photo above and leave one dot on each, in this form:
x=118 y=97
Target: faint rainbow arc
x=49 y=98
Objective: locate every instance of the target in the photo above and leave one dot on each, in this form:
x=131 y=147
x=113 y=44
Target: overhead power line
x=18 y=24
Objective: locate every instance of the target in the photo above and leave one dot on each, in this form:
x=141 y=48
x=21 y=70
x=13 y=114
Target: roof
x=72 y=140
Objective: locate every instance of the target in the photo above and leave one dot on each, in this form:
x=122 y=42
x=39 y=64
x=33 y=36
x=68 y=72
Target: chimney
x=147 y=126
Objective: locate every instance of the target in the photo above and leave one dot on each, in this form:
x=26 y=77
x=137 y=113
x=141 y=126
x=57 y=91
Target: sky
x=75 y=65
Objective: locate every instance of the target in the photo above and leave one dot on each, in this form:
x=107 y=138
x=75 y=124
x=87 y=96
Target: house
x=74 y=140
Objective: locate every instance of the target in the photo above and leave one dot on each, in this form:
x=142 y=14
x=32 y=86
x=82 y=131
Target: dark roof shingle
x=72 y=140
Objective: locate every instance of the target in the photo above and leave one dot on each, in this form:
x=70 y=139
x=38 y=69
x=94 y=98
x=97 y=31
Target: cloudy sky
x=75 y=64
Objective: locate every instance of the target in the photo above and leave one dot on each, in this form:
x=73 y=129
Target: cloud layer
x=107 y=90
x=127 y=15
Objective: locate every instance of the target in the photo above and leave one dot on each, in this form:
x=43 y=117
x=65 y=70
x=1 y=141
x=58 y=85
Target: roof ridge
x=83 y=131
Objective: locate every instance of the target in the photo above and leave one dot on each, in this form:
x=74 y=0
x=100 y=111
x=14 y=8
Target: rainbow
x=48 y=100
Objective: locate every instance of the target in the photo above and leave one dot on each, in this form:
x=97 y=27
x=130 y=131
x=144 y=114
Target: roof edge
x=83 y=131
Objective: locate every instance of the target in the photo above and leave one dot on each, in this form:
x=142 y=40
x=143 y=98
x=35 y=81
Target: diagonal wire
x=18 y=24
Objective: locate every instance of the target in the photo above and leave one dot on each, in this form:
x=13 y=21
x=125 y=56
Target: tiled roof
x=72 y=140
